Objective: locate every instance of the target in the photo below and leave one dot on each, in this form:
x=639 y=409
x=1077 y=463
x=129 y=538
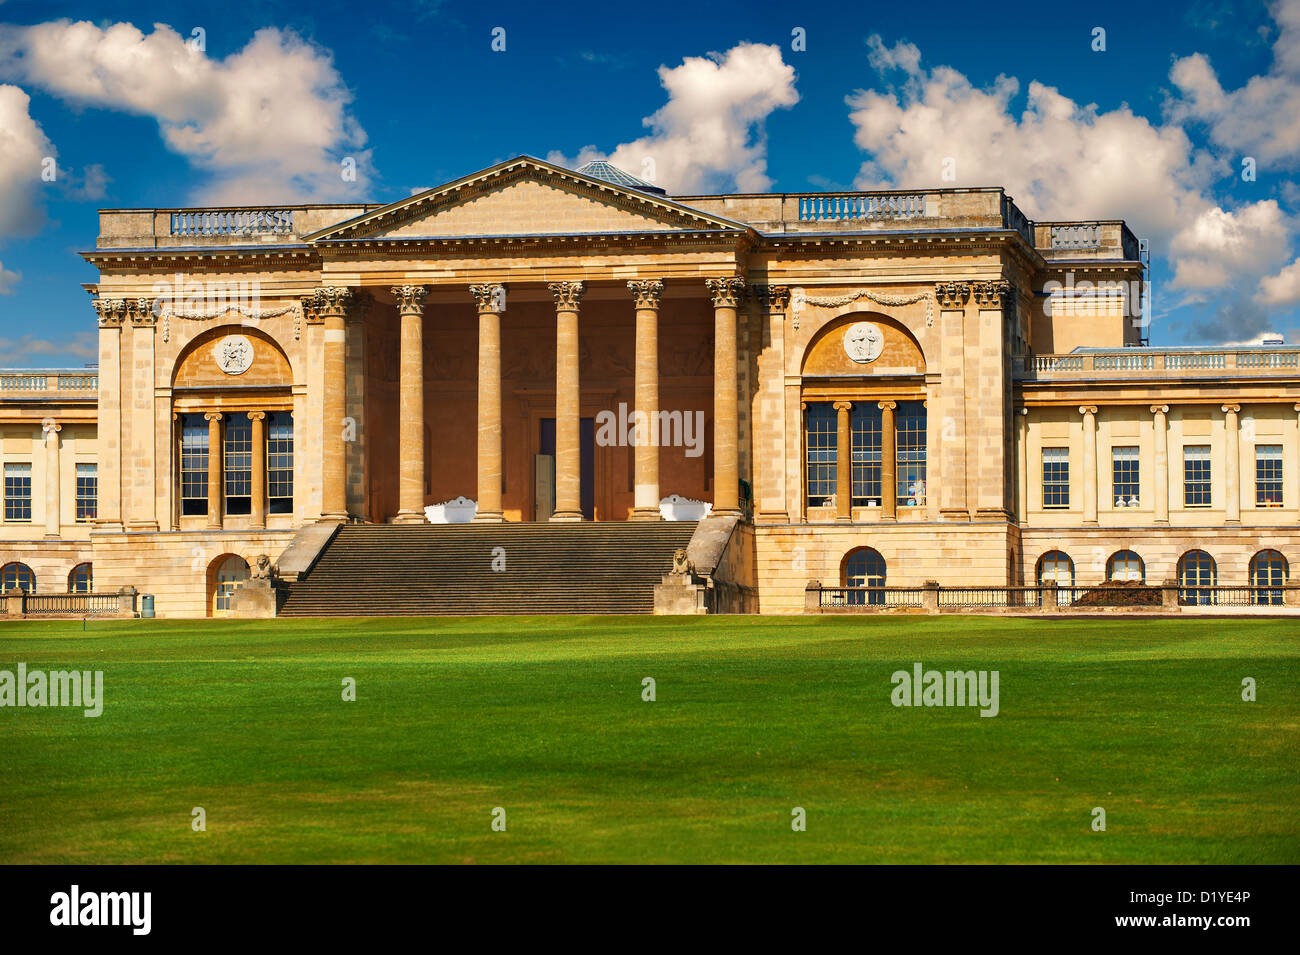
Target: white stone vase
x=460 y=510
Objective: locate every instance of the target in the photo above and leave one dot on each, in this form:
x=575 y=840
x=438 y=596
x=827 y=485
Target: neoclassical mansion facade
x=884 y=388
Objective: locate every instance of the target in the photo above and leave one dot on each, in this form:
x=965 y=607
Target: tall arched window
x=1197 y=575
x=231 y=572
x=1268 y=569
x=865 y=567
x=16 y=576
x=81 y=580
x=1125 y=565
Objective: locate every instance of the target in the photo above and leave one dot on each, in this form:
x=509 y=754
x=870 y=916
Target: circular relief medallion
x=234 y=354
x=863 y=342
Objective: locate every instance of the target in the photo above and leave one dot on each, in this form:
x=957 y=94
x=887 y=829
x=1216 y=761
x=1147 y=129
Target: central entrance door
x=544 y=469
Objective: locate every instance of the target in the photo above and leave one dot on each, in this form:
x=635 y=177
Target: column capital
x=212 y=416
x=51 y=427
x=887 y=405
x=567 y=294
x=333 y=301
x=140 y=312
x=647 y=292
x=1160 y=409
x=1022 y=411
x=490 y=297
x=952 y=295
x=410 y=298
x=726 y=292
x=111 y=312
x=990 y=295
x=1231 y=408
x=843 y=406
x=256 y=415
x=1086 y=410
x=774 y=298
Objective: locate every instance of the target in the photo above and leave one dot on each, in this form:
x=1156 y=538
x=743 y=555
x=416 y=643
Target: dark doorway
x=545 y=467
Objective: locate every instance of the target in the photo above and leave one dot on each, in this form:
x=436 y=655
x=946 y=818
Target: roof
x=600 y=169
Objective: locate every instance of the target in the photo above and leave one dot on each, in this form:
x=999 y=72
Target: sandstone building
x=881 y=388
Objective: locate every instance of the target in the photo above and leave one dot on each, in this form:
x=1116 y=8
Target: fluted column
x=1161 y=463
x=1232 y=471
x=645 y=464
x=888 y=462
x=1089 y=413
x=727 y=294
x=257 y=507
x=410 y=410
x=491 y=302
x=568 y=470
x=215 y=462
x=52 y=495
x=843 y=462
x=332 y=305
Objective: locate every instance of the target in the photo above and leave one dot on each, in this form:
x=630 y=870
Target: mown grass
x=544 y=717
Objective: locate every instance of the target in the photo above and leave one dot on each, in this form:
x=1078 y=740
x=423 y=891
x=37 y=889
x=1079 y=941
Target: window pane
x=194 y=464
x=1268 y=475
x=237 y=465
x=821 y=441
x=1196 y=475
x=910 y=426
x=18 y=492
x=1126 y=483
x=1056 y=477
x=865 y=421
x=279 y=462
x=87 y=491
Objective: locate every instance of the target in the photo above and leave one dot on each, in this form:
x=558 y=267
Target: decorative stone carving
x=674 y=507
x=863 y=342
x=234 y=354
x=991 y=294
x=140 y=311
x=459 y=510
x=726 y=292
x=110 y=311
x=410 y=299
x=489 y=298
x=774 y=298
x=952 y=295
x=567 y=294
x=333 y=300
x=646 y=293
x=262 y=567
x=682 y=565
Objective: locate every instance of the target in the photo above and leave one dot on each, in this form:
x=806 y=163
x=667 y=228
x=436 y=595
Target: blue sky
x=414 y=92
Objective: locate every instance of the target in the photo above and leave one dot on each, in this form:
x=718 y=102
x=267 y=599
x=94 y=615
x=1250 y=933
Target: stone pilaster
x=332 y=304
x=843 y=461
x=411 y=464
x=990 y=416
x=53 y=501
x=1161 y=425
x=568 y=473
x=216 y=459
x=727 y=294
x=1022 y=464
x=1232 y=464
x=309 y=418
x=888 y=461
x=952 y=297
x=770 y=423
x=141 y=465
x=108 y=442
x=491 y=302
x=647 y=294
x=257 y=506
x=1089 y=413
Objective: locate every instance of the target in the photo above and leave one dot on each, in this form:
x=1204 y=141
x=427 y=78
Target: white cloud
x=1219 y=246
x=8 y=279
x=1282 y=288
x=269 y=122
x=23 y=148
x=32 y=352
x=710 y=135
x=1259 y=118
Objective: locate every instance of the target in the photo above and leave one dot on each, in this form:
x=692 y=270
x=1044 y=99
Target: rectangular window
x=1056 y=477
x=1196 y=475
x=279 y=462
x=87 y=491
x=237 y=464
x=1268 y=475
x=1126 y=487
x=821 y=438
x=194 y=464
x=865 y=424
x=18 y=492
x=909 y=428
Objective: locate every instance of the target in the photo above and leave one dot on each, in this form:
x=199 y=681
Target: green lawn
x=544 y=717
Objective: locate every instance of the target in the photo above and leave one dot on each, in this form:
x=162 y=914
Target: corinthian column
x=491 y=302
x=1232 y=473
x=410 y=411
x=568 y=472
x=645 y=465
x=332 y=305
x=727 y=294
x=52 y=495
x=1161 y=464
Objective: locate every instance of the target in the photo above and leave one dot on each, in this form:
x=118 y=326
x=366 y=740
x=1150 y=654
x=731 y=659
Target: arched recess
x=896 y=351
x=17 y=576
x=224 y=574
x=197 y=366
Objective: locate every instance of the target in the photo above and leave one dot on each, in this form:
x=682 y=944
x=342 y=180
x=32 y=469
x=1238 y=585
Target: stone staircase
x=418 y=569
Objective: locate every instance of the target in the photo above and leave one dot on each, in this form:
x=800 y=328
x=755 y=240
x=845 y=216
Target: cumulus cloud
x=28 y=351
x=23 y=149
x=710 y=135
x=1259 y=118
x=1282 y=288
x=1061 y=159
x=269 y=123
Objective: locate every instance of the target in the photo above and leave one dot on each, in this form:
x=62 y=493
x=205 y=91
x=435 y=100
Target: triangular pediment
x=524 y=197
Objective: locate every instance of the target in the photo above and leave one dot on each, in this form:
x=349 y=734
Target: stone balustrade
x=49 y=383
x=1161 y=363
